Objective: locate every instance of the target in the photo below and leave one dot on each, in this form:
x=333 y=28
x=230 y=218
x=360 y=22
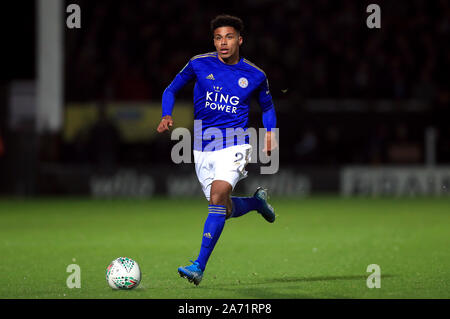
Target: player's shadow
x=252 y=290
x=317 y=278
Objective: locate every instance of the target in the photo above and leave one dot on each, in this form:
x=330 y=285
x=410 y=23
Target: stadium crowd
x=309 y=50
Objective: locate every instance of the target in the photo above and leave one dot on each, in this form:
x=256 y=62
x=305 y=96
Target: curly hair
x=225 y=20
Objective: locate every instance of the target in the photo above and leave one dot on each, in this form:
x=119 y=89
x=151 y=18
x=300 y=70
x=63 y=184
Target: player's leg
x=243 y=205
x=215 y=222
x=258 y=202
x=240 y=206
x=219 y=199
x=221 y=195
x=222 y=206
x=218 y=173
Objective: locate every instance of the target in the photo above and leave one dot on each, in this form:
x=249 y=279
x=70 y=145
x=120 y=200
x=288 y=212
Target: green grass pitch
x=318 y=247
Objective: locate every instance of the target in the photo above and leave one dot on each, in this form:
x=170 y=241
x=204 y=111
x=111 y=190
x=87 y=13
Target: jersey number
x=239 y=156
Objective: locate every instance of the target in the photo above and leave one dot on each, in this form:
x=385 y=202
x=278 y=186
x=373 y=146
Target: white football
x=123 y=273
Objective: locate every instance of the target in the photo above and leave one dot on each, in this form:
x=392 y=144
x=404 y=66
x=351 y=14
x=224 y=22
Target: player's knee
x=218 y=198
x=223 y=200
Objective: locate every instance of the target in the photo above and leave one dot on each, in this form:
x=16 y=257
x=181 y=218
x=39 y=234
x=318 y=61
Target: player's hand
x=165 y=124
x=270 y=142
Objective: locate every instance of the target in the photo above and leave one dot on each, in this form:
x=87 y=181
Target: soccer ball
x=123 y=273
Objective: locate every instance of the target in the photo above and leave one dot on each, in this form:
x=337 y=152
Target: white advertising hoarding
x=395 y=181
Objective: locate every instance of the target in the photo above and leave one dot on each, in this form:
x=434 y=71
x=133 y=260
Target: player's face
x=227 y=41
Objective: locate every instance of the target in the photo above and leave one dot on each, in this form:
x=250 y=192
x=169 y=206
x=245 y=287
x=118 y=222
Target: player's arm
x=169 y=96
x=269 y=117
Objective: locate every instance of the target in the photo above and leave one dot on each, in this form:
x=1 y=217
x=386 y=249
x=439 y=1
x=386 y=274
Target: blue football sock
x=211 y=232
x=243 y=205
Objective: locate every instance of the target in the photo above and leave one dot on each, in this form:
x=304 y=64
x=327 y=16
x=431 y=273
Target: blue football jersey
x=222 y=95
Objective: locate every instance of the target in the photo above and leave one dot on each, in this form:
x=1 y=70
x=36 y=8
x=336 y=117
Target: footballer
x=224 y=85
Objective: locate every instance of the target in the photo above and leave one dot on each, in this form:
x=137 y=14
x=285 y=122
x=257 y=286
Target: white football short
x=227 y=164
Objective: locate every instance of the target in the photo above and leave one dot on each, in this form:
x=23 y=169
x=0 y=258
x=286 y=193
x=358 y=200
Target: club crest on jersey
x=243 y=83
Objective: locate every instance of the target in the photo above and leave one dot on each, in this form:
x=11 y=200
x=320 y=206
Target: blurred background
x=361 y=111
